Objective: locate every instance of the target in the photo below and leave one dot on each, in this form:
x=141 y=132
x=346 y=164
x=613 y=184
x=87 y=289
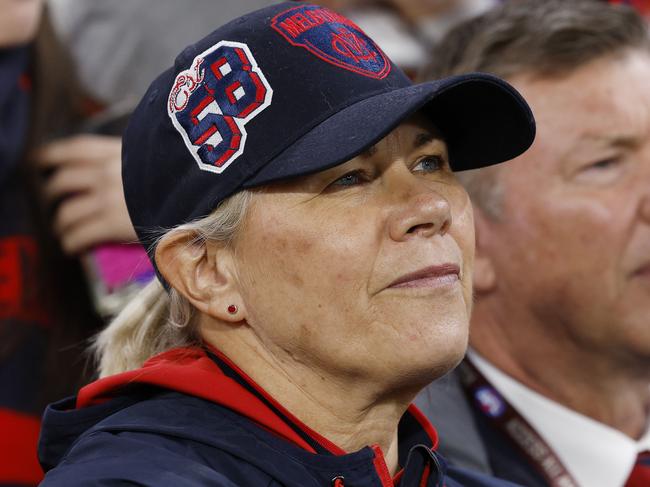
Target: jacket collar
x=208 y=374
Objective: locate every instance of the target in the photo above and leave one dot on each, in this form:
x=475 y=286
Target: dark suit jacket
x=468 y=439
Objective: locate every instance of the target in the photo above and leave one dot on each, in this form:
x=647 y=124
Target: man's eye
x=603 y=171
x=429 y=164
x=604 y=164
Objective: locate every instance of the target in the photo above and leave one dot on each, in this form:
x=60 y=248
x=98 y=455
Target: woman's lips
x=431 y=276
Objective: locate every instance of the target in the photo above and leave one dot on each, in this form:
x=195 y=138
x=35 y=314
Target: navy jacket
x=190 y=417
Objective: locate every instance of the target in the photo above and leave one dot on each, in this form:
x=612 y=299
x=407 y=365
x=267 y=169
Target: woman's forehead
x=414 y=133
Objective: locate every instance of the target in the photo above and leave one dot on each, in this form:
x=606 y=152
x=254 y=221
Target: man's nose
x=419 y=210
x=644 y=183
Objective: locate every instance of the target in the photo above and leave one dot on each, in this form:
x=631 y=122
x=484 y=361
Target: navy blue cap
x=290 y=90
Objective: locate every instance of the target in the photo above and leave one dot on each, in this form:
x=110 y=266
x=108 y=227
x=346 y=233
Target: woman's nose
x=645 y=207
x=421 y=213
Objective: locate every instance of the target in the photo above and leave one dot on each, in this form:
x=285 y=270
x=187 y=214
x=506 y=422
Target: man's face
x=572 y=245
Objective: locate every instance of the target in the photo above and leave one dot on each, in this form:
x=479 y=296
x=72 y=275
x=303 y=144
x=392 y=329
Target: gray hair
x=541 y=38
x=157 y=320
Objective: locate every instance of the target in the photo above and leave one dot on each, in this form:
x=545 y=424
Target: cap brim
x=484 y=121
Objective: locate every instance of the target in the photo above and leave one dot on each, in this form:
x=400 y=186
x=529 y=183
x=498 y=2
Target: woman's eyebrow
x=424 y=138
x=369 y=152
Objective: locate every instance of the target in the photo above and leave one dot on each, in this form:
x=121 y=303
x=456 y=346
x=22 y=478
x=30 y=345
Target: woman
x=316 y=259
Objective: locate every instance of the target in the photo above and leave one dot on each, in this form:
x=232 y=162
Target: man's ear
x=485 y=278
x=203 y=272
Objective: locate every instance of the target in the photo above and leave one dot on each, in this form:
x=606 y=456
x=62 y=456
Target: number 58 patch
x=211 y=102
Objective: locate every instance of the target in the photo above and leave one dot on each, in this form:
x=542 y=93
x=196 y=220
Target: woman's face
x=363 y=271
x=19 y=21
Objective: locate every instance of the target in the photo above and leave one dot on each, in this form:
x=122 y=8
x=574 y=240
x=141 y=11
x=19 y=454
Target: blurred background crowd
x=68 y=261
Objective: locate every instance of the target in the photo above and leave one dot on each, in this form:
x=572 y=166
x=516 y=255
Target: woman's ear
x=203 y=272
x=485 y=278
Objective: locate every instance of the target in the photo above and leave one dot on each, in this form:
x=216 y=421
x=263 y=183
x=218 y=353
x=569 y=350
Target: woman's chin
x=415 y=365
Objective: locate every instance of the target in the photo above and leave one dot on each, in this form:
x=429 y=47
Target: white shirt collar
x=595 y=454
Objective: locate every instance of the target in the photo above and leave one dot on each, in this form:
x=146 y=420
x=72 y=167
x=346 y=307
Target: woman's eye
x=430 y=164
x=350 y=179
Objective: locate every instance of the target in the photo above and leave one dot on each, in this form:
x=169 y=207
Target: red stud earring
x=232 y=309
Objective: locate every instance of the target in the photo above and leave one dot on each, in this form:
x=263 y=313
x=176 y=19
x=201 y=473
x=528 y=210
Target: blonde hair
x=157 y=320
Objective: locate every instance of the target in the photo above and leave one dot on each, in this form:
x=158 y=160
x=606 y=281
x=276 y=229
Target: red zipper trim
x=426 y=425
x=425 y=475
x=321 y=440
x=398 y=478
x=381 y=467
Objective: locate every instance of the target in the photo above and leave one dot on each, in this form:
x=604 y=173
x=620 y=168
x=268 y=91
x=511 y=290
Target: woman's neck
x=350 y=414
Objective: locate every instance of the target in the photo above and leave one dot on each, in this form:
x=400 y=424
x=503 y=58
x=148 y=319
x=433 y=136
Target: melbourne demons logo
x=212 y=101
x=333 y=38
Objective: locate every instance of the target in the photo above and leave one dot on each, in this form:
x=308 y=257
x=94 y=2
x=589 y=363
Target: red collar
x=191 y=371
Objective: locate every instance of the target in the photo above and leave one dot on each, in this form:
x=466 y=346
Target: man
x=558 y=376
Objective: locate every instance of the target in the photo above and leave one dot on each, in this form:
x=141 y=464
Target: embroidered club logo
x=211 y=102
x=333 y=38
x=490 y=401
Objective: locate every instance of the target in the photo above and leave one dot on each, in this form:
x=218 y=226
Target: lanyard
x=504 y=417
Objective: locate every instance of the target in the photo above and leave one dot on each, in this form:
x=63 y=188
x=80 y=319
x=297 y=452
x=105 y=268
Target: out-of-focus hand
x=86 y=179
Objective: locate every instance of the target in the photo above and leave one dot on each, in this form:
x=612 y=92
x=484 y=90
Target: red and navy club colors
x=290 y=90
x=191 y=417
x=640 y=475
x=347 y=46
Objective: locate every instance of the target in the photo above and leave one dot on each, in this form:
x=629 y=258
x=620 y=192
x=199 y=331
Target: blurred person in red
x=557 y=381
x=56 y=199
